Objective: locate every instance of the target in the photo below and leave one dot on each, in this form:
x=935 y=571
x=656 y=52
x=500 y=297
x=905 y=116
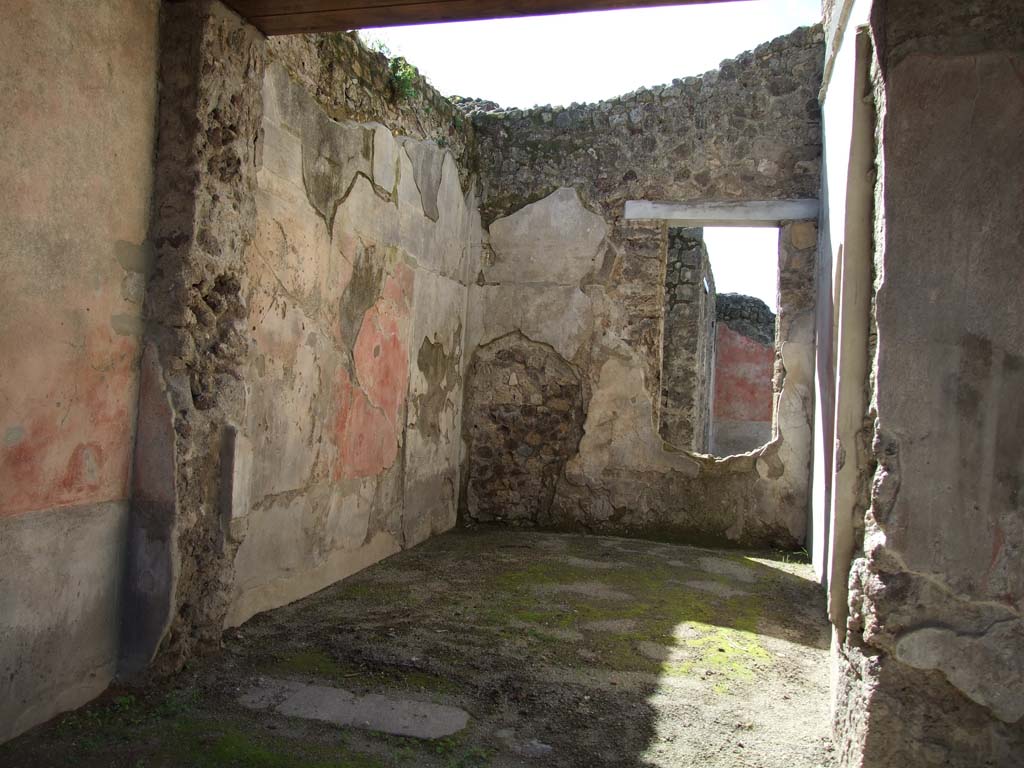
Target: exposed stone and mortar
x=746 y=315
x=179 y=568
x=315 y=376
x=322 y=291
x=351 y=82
x=525 y=420
x=747 y=131
x=688 y=344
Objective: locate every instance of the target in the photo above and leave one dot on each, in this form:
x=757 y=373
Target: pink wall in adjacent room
x=743 y=377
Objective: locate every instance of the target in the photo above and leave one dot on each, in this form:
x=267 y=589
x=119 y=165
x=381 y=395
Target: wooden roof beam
x=283 y=17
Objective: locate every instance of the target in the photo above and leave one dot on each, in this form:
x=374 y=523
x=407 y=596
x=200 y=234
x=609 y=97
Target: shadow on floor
x=565 y=650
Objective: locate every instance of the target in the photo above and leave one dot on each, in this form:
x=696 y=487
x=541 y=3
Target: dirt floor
x=564 y=650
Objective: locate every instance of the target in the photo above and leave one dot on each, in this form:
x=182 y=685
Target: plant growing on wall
x=402 y=75
x=402 y=78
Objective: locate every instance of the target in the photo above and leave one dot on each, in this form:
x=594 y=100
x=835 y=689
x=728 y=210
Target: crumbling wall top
x=749 y=130
x=747 y=315
x=353 y=82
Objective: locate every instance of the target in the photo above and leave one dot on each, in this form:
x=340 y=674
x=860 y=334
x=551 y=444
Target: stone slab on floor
x=373 y=712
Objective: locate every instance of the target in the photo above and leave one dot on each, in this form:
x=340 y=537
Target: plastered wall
x=554 y=184
x=356 y=293
x=297 y=321
x=929 y=657
x=328 y=351
x=307 y=365
x=742 y=404
x=78 y=96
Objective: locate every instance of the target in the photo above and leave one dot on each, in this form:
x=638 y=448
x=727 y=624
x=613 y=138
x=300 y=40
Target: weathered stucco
x=930 y=670
x=316 y=258
x=315 y=303
x=79 y=96
x=351 y=82
x=744 y=361
x=356 y=366
x=554 y=183
x=622 y=477
x=626 y=479
x=59 y=596
x=78 y=133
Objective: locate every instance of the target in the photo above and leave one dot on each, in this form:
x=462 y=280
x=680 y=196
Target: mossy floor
x=565 y=650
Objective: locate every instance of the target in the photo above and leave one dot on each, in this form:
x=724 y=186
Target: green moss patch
x=196 y=744
x=721 y=637
x=318 y=664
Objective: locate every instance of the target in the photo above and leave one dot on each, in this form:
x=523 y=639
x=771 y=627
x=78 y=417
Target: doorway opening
x=718 y=346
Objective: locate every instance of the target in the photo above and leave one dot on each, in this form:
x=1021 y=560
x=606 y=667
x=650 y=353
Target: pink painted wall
x=76 y=158
x=78 y=89
x=743 y=377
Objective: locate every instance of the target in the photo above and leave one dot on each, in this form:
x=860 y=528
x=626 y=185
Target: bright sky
x=587 y=57
x=745 y=260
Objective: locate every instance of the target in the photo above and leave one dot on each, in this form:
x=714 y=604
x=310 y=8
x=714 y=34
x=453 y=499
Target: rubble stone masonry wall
x=315 y=296
x=352 y=82
x=688 y=347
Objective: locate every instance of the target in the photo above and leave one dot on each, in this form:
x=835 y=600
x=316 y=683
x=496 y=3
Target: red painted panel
x=71 y=443
x=369 y=441
x=743 y=377
x=368 y=423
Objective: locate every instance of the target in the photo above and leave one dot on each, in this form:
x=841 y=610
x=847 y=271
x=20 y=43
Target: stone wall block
x=385 y=158
x=236 y=481
x=427 y=162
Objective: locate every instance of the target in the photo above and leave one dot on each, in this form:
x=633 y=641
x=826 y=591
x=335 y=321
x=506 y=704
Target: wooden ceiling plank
x=256 y=8
x=437 y=11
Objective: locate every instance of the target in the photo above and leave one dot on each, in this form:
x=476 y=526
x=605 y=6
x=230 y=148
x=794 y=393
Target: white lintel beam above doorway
x=761 y=213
